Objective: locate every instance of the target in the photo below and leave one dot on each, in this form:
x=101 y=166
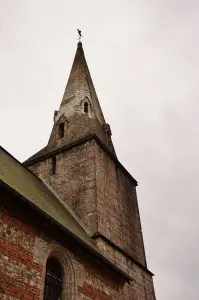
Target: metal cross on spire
x=80 y=35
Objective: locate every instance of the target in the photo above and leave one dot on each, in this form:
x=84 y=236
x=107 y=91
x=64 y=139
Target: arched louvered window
x=53 y=280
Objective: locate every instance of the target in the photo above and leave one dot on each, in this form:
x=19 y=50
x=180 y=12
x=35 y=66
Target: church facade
x=69 y=218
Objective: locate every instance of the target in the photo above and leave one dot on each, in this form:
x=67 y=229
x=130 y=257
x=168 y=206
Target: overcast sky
x=144 y=61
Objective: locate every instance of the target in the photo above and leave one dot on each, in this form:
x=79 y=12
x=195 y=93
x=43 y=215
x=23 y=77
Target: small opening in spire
x=61 y=130
x=86 y=107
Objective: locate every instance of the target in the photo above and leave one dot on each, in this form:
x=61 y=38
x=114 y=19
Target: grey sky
x=143 y=58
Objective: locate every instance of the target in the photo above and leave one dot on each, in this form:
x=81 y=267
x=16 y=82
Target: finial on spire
x=80 y=35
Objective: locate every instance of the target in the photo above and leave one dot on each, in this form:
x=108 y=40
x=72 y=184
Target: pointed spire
x=79 y=114
x=80 y=87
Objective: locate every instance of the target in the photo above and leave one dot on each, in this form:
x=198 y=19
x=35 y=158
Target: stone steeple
x=80 y=164
x=79 y=114
x=79 y=87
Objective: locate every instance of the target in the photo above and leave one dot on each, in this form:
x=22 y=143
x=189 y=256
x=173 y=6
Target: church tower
x=80 y=164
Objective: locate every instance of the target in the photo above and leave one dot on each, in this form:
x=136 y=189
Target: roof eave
x=97 y=254
x=77 y=143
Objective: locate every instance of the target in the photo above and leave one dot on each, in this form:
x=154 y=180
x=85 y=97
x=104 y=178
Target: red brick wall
x=91 y=292
x=20 y=276
x=24 y=249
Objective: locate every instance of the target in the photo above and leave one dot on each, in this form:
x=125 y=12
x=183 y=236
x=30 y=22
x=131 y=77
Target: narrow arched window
x=85 y=107
x=61 y=130
x=53 y=280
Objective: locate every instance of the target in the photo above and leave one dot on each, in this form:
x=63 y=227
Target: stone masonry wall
x=100 y=194
x=77 y=127
x=74 y=181
x=141 y=286
x=104 y=198
x=117 y=206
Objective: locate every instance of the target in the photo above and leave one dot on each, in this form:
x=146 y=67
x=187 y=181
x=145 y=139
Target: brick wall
x=23 y=255
x=20 y=275
x=25 y=246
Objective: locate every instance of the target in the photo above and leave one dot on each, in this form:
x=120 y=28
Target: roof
x=36 y=192
x=80 y=80
x=41 y=152
x=79 y=87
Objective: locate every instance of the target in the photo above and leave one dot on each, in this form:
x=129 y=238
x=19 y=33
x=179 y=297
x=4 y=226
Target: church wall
x=119 y=222
x=25 y=246
x=76 y=127
x=74 y=180
x=141 y=286
x=100 y=194
x=117 y=206
x=20 y=275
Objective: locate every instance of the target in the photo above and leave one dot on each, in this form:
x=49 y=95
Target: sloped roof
x=40 y=153
x=80 y=80
x=79 y=87
x=36 y=192
x=20 y=179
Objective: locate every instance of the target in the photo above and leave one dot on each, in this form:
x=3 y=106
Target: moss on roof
x=20 y=179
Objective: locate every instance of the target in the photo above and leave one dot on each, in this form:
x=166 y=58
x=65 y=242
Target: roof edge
x=68 y=232
x=67 y=207
x=97 y=234
x=51 y=190
x=77 y=143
